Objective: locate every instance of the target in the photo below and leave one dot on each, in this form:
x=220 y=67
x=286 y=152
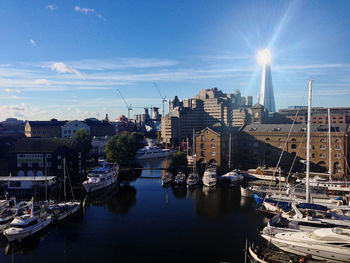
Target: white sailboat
x=193 y=177
x=63 y=210
x=233 y=177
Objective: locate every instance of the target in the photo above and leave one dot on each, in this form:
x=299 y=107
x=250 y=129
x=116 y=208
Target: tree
x=83 y=137
x=121 y=149
x=178 y=161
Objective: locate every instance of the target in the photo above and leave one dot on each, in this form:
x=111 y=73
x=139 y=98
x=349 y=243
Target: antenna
x=163 y=98
x=126 y=104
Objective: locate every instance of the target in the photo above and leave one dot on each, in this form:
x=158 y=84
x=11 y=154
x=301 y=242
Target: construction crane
x=163 y=98
x=126 y=104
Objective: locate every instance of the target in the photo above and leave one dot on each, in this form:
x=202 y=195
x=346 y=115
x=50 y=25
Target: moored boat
x=101 y=177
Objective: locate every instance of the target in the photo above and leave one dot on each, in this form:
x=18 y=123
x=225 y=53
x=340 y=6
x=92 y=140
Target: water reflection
x=216 y=201
x=179 y=190
x=123 y=201
x=100 y=198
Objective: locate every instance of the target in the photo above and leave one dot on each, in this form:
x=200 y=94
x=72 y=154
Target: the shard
x=266 y=97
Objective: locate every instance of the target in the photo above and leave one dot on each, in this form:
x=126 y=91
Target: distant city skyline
x=66 y=60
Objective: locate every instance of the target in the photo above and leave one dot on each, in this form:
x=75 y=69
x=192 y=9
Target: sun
x=264 y=56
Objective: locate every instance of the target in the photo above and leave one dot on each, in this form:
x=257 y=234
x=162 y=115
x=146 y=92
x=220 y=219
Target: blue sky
x=66 y=59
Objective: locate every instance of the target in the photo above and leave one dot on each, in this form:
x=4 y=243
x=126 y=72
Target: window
x=267 y=139
x=59 y=166
x=322 y=155
x=212 y=145
x=48 y=164
x=312 y=155
x=30 y=165
x=202 y=153
x=313 y=147
x=337 y=140
x=323 y=140
x=212 y=153
x=48 y=155
x=212 y=140
x=59 y=157
x=337 y=147
x=293 y=140
x=202 y=146
x=337 y=155
x=202 y=138
x=276 y=129
x=15 y=184
x=293 y=146
x=322 y=147
x=280 y=145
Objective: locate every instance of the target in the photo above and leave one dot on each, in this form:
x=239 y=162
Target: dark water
x=143 y=222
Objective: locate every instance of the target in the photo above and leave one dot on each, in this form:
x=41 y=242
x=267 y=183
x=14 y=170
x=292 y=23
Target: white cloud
x=84 y=10
x=51 y=7
x=32 y=42
x=63 y=68
x=43 y=82
x=14 y=97
x=12 y=90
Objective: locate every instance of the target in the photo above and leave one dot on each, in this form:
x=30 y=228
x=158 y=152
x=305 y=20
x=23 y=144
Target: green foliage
x=179 y=161
x=121 y=149
x=83 y=137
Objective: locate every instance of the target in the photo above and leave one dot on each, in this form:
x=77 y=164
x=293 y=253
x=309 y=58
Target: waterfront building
x=30 y=157
x=263 y=144
x=70 y=127
x=212 y=146
x=339 y=115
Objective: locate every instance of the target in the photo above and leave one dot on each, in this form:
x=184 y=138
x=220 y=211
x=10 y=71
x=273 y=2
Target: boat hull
x=12 y=235
x=91 y=187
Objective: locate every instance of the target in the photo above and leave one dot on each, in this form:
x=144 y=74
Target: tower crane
x=126 y=104
x=163 y=98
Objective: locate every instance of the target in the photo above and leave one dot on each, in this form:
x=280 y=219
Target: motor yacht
x=233 y=178
x=8 y=214
x=27 y=224
x=151 y=151
x=209 y=177
x=101 y=177
x=331 y=244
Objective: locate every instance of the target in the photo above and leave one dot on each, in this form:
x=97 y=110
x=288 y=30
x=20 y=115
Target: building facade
x=263 y=144
x=44 y=129
x=208 y=108
x=34 y=156
x=70 y=127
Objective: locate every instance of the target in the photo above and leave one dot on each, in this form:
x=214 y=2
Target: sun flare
x=264 y=56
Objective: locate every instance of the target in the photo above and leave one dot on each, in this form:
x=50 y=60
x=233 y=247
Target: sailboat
x=193 y=177
x=309 y=215
x=63 y=210
x=233 y=177
x=167 y=177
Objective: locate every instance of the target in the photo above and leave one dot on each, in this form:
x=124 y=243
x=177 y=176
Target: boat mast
x=329 y=145
x=308 y=144
x=45 y=177
x=64 y=178
x=194 y=153
x=229 y=153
